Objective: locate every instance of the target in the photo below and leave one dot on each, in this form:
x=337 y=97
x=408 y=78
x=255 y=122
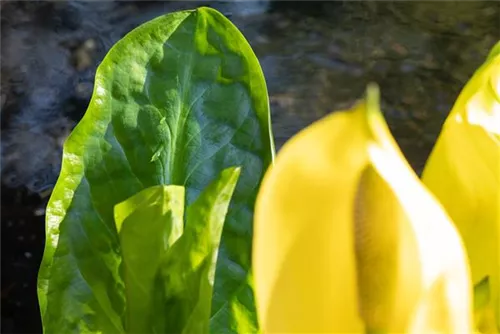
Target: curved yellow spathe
x=463 y=172
x=346 y=238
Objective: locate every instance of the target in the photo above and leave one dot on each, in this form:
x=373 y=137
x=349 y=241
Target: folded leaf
x=346 y=237
x=176 y=101
x=168 y=273
x=463 y=172
x=483 y=310
x=148 y=224
x=185 y=285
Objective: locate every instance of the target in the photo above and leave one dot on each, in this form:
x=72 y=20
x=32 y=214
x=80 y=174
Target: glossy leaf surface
x=187 y=274
x=463 y=172
x=148 y=224
x=176 y=101
x=168 y=272
x=347 y=239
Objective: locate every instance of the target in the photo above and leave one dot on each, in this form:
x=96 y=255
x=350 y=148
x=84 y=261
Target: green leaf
x=176 y=101
x=484 y=310
x=148 y=224
x=169 y=274
x=187 y=276
x=482 y=293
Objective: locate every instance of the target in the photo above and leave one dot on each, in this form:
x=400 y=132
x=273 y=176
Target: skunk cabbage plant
x=176 y=102
x=347 y=239
x=149 y=227
x=463 y=172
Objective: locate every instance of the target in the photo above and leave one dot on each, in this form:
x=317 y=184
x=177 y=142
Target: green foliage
x=148 y=224
x=168 y=273
x=176 y=101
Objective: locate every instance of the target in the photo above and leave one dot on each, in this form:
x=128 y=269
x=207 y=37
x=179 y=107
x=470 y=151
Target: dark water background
x=317 y=57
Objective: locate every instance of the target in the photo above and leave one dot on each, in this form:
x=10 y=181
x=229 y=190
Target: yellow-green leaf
x=463 y=172
x=148 y=224
x=346 y=238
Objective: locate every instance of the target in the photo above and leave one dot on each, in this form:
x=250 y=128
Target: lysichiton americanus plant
x=178 y=127
x=358 y=243
x=149 y=227
x=463 y=172
x=347 y=239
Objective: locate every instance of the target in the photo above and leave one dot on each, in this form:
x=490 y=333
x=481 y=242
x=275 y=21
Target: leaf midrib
x=177 y=155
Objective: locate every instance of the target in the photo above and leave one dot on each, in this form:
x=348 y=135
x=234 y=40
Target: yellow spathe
x=347 y=239
x=463 y=172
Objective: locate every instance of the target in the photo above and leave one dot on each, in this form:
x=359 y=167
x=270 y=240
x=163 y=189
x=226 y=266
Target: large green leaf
x=176 y=101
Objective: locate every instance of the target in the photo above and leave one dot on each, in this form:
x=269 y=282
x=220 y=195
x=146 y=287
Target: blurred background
x=317 y=57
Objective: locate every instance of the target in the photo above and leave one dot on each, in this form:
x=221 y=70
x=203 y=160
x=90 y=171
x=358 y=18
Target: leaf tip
x=234 y=172
x=374 y=117
x=372 y=97
x=372 y=100
x=205 y=10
